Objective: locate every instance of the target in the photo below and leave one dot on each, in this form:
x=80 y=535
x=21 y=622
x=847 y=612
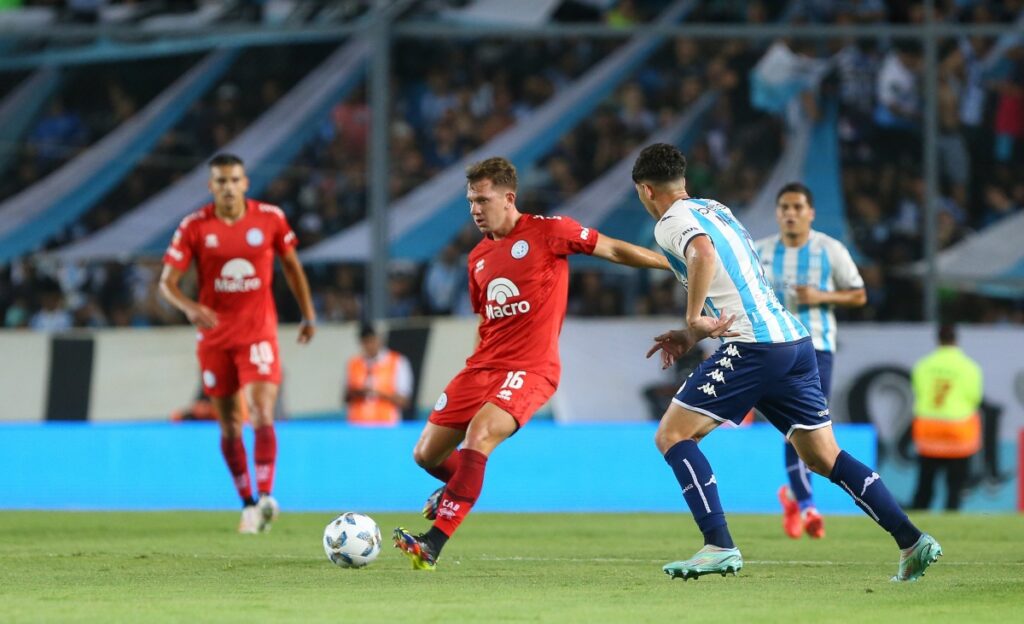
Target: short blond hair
x=498 y=170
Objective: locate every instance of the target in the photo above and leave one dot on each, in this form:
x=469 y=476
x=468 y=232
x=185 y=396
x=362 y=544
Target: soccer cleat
x=415 y=548
x=250 y=522
x=814 y=524
x=916 y=559
x=708 y=560
x=792 y=523
x=433 y=502
x=269 y=511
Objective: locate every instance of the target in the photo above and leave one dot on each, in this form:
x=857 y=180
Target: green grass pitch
x=192 y=567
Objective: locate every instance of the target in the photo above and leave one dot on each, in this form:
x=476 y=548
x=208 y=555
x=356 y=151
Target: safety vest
x=379 y=376
x=947 y=394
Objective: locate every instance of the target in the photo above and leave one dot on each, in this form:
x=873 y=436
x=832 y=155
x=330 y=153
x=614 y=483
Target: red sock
x=462 y=491
x=446 y=469
x=233 y=450
x=265 y=455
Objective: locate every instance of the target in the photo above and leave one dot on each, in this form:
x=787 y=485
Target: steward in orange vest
x=378 y=383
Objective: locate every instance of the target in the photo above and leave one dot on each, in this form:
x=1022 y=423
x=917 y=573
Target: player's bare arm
x=197 y=314
x=299 y=285
x=701 y=263
x=621 y=252
x=852 y=298
x=700 y=266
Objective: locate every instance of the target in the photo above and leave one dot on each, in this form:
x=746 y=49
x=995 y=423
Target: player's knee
x=231 y=429
x=423 y=459
x=665 y=438
x=261 y=415
x=483 y=440
x=819 y=464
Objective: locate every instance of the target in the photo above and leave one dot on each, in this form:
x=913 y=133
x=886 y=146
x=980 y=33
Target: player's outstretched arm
x=197 y=314
x=621 y=252
x=299 y=285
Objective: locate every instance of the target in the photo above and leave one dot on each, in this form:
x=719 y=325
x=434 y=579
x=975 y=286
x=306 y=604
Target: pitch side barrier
x=546 y=468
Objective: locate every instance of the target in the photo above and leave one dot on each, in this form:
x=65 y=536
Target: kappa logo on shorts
x=505 y=395
x=717 y=375
x=732 y=351
x=709 y=390
x=725 y=363
x=442 y=401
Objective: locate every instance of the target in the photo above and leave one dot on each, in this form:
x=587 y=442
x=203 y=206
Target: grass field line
x=787 y=562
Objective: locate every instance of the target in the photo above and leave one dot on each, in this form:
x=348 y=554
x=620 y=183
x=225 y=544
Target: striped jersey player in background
x=766 y=361
x=811 y=273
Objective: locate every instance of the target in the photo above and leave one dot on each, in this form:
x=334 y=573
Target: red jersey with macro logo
x=519 y=285
x=235 y=269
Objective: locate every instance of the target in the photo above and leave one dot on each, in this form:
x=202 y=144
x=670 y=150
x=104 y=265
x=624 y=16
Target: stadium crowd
x=453 y=97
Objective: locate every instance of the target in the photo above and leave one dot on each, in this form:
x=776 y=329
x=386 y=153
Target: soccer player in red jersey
x=233 y=241
x=518 y=283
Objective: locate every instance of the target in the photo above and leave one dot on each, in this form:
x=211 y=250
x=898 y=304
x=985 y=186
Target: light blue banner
x=327 y=466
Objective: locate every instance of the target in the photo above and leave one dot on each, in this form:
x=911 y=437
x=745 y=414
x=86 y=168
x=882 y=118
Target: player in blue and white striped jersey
x=812 y=273
x=767 y=361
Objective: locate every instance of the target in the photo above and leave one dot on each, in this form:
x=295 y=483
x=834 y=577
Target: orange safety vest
x=380 y=377
x=947 y=439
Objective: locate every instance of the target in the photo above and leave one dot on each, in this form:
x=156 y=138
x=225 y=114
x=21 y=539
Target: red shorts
x=226 y=369
x=520 y=393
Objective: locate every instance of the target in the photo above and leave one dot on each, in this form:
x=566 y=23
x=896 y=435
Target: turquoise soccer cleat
x=708 y=560
x=916 y=559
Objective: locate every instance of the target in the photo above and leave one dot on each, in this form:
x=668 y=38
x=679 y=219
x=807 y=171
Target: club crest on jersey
x=442 y=402
x=520 y=249
x=237 y=275
x=211 y=240
x=209 y=379
x=500 y=290
x=254 y=237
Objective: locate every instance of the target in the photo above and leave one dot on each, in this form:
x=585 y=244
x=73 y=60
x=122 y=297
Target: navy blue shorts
x=825 y=372
x=780 y=380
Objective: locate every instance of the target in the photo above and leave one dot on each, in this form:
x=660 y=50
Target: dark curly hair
x=659 y=163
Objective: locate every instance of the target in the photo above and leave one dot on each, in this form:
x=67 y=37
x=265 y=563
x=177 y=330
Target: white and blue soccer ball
x=352 y=540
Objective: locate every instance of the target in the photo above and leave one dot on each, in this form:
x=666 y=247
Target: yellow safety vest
x=947 y=394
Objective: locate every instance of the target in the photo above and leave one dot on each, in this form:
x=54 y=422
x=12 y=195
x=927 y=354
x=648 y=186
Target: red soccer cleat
x=814 y=524
x=792 y=523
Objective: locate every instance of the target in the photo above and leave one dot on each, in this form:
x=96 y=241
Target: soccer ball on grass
x=352 y=540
